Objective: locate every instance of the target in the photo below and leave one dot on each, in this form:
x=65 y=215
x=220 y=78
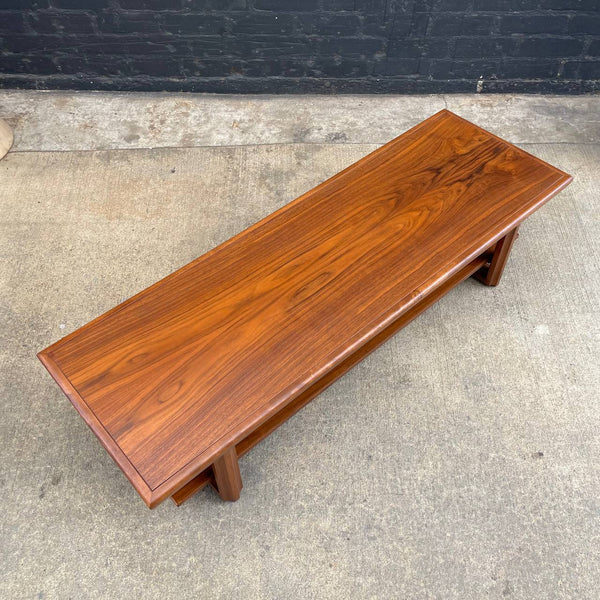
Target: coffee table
x=185 y=377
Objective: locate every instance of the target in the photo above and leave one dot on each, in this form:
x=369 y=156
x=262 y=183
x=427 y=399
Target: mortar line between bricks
x=205 y=146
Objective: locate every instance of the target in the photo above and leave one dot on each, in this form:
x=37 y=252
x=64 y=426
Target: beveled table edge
x=154 y=496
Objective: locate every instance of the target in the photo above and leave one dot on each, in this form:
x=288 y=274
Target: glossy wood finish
x=491 y=274
x=260 y=433
x=227 y=477
x=198 y=363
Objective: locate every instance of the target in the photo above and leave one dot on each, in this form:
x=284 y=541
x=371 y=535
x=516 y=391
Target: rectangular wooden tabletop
x=170 y=378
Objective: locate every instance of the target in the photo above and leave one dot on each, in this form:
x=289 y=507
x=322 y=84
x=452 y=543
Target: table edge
x=107 y=441
x=244 y=428
x=154 y=496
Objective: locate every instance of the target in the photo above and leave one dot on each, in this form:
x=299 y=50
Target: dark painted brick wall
x=302 y=45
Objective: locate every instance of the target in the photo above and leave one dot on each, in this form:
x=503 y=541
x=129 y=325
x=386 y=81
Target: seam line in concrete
x=272 y=144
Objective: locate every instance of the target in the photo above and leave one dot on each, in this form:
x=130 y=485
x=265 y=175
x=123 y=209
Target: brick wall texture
x=289 y=46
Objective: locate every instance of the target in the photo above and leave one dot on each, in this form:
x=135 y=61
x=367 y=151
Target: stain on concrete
x=508 y=589
x=131 y=137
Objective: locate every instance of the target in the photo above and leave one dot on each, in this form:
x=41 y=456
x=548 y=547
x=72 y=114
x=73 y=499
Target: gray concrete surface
x=461 y=460
x=101 y=121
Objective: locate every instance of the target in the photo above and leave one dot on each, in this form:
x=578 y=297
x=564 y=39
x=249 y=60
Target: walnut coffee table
x=182 y=379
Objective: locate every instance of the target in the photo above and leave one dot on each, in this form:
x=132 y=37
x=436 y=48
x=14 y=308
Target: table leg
x=226 y=470
x=491 y=275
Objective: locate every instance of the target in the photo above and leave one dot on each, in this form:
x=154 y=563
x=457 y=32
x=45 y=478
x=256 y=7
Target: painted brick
x=137 y=22
x=262 y=23
x=77 y=4
x=191 y=24
x=454 y=25
x=61 y=22
x=594 y=48
x=585 y=24
x=13 y=22
x=329 y=46
x=481 y=47
x=287 y=5
x=463 y=69
x=23 y=4
x=548 y=46
x=21 y=63
x=529 y=69
x=343 y=25
x=534 y=24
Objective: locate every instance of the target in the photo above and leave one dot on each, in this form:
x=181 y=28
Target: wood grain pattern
x=226 y=473
x=174 y=376
x=265 y=429
x=492 y=275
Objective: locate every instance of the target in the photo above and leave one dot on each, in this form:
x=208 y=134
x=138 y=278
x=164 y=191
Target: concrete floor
x=461 y=460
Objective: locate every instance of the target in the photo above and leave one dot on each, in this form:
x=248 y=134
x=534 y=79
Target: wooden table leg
x=491 y=275
x=226 y=470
